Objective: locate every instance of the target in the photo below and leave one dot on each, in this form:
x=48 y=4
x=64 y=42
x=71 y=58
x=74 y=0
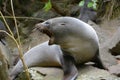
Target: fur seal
x=73 y=35
x=78 y=41
x=39 y=56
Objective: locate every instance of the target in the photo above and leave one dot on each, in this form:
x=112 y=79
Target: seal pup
x=41 y=55
x=78 y=41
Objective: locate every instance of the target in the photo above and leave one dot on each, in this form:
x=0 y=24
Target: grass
x=11 y=35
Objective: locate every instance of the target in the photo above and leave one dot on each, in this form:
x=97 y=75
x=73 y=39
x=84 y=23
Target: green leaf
x=81 y=3
x=90 y=5
x=48 y=6
x=95 y=6
x=95 y=1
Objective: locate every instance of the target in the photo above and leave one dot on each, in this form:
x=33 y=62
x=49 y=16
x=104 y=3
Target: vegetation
x=109 y=9
x=19 y=11
x=91 y=4
x=18 y=43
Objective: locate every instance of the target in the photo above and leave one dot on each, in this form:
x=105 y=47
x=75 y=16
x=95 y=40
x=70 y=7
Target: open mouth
x=46 y=31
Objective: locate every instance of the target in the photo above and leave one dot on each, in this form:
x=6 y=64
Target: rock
x=92 y=73
x=114 y=44
x=87 y=13
x=85 y=73
x=107 y=42
x=40 y=73
x=3 y=64
x=47 y=15
x=6 y=53
x=114 y=71
x=118 y=57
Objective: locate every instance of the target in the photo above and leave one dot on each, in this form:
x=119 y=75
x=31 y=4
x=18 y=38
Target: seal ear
x=62 y=23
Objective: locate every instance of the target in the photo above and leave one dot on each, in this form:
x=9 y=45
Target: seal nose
x=44 y=28
x=42 y=25
x=37 y=27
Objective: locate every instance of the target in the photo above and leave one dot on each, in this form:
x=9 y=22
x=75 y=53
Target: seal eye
x=47 y=24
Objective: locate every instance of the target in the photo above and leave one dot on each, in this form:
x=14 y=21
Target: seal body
x=40 y=55
x=74 y=36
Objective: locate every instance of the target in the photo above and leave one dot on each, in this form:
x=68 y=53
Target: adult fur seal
x=74 y=36
x=78 y=41
x=39 y=56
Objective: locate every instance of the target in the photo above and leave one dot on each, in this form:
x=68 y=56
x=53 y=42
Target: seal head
x=44 y=28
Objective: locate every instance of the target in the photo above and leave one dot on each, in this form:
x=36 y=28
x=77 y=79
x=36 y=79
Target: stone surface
x=85 y=73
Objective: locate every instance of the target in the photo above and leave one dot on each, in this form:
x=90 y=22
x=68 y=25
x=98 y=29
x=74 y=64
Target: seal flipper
x=102 y=62
x=69 y=68
x=98 y=61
